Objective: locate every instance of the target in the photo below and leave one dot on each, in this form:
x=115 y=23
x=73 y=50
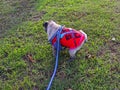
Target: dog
x=69 y=38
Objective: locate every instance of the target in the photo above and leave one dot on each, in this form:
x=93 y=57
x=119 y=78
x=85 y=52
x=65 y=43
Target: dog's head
x=50 y=25
x=50 y=28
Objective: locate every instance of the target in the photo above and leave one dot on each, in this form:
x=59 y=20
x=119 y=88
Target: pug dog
x=69 y=38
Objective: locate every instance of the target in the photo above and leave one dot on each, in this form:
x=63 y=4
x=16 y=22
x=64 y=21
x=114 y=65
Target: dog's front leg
x=54 y=51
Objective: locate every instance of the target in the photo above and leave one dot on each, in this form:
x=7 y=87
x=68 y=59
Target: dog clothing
x=69 y=38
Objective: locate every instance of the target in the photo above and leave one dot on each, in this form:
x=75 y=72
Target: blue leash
x=57 y=57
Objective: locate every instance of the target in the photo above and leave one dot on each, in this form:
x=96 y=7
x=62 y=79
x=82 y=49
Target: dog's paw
x=71 y=59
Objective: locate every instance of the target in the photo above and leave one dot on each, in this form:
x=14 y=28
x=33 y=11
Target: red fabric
x=70 y=39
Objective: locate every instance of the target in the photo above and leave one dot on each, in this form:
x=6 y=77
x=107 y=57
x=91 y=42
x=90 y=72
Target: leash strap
x=57 y=57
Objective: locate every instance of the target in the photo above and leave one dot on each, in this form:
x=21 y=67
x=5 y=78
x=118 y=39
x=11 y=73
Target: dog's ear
x=45 y=25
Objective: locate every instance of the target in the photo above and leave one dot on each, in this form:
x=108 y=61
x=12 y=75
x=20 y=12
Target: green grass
x=97 y=66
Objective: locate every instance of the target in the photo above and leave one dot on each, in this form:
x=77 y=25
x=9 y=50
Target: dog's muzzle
x=45 y=25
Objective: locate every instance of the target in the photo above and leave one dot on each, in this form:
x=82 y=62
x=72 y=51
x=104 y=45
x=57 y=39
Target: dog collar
x=58 y=31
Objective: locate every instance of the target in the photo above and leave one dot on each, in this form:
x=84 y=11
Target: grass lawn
x=26 y=61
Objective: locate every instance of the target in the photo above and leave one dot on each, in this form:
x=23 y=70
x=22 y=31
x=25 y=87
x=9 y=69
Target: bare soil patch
x=22 y=11
x=111 y=48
